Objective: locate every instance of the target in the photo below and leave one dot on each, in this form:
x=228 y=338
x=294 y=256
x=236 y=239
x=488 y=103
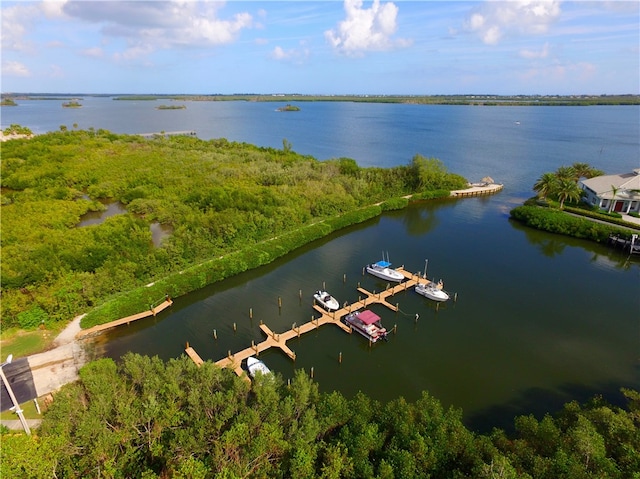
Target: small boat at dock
x=432 y=291
x=382 y=269
x=367 y=323
x=255 y=366
x=327 y=301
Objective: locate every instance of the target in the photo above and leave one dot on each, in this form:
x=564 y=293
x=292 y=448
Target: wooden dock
x=129 y=319
x=478 y=190
x=167 y=134
x=279 y=340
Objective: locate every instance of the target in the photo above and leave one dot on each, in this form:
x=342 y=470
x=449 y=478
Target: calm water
x=540 y=319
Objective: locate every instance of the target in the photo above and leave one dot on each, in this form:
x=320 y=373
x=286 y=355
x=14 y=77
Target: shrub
x=32 y=318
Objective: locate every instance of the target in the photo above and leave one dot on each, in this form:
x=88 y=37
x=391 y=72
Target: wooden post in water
x=340 y=358
x=417 y=316
x=235 y=328
x=344 y=278
x=250 y=313
x=215 y=334
x=324 y=287
x=455 y=297
x=311 y=372
x=395 y=328
x=279 y=302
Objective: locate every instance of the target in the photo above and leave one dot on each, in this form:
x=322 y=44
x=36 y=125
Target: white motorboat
x=366 y=323
x=432 y=291
x=326 y=300
x=255 y=366
x=382 y=269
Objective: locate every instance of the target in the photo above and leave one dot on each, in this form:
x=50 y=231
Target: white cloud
x=149 y=26
x=366 y=29
x=533 y=54
x=16 y=69
x=293 y=55
x=494 y=20
x=16 y=21
x=95 y=52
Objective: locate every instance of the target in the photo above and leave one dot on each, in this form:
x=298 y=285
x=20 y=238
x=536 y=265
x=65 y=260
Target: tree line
x=149 y=419
x=216 y=197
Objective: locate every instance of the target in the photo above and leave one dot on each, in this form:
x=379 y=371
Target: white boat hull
x=327 y=301
x=255 y=366
x=387 y=274
x=432 y=292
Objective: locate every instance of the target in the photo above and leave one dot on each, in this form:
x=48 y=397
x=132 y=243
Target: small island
x=8 y=102
x=171 y=107
x=289 y=108
x=72 y=104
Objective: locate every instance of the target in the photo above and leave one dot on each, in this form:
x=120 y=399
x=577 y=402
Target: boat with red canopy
x=366 y=323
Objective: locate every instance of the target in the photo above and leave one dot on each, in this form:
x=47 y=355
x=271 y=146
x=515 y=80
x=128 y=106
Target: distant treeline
x=486 y=100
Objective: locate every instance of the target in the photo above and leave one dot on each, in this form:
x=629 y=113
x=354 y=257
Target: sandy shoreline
x=12 y=136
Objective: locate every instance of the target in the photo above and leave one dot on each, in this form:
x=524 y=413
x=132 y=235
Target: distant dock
x=278 y=340
x=167 y=134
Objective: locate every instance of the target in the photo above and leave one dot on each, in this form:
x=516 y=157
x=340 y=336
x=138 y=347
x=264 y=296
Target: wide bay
x=540 y=319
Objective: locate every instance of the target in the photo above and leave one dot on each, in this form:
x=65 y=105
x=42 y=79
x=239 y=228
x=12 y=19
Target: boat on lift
x=327 y=301
x=255 y=366
x=382 y=269
x=367 y=323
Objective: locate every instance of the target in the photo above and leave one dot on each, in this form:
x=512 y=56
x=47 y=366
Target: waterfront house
x=620 y=193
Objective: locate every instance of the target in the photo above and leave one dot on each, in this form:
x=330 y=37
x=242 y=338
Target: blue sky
x=327 y=47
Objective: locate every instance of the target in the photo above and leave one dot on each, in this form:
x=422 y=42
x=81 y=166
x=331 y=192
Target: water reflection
x=98 y=217
x=159 y=232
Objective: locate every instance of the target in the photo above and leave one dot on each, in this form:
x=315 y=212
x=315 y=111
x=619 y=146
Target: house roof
x=627 y=185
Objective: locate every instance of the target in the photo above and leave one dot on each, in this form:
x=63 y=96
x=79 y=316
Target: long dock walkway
x=129 y=319
x=478 y=190
x=279 y=340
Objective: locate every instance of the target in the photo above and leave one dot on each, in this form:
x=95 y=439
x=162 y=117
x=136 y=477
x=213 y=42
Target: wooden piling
x=311 y=372
x=215 y=334
x=340 y=358
x=250 y=313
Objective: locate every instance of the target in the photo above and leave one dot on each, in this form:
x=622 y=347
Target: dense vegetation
x=222 y=201
x=144 y=418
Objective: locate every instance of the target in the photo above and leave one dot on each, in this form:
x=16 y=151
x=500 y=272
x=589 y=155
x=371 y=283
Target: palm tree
x=614 y=192
x=567 y=190
x=584 y=170
x=546 y=185
x=566 y=172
